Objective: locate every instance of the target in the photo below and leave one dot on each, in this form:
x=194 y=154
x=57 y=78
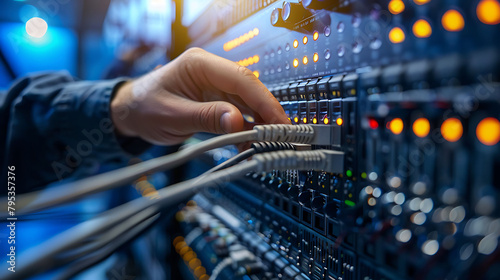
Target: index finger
x=232 y=78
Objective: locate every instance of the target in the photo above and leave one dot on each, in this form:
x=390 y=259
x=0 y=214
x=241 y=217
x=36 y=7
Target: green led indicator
x=363 y=175
x=348 y=173
x=349 y=203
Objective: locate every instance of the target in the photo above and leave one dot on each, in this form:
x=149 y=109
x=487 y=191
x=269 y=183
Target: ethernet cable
x=106 y=249
x=116 y=236
x=110 y=235
x=40 y=200
x=225 y=263
x=257 y=148
x=41 y=258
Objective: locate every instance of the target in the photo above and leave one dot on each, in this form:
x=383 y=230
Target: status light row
x=249 y=61
x=305 y=60
x=339 y=121
x=487 y=11
x=305 y=39
x=241 y=40
x=487 y=131
x=190 y=258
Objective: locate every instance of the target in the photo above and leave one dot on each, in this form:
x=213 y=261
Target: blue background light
x=56 y=50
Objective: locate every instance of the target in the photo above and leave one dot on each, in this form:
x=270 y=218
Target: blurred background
x=93 y=40
x=411 y=89
x=90 y=38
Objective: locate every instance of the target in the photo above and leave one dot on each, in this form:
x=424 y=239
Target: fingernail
x=225 y=122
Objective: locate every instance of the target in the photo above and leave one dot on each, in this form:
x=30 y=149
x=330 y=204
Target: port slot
x=285 y=205
x=295 y=211
x=319 y=222
x=391 y=260
x=277 y=201
x=306 y=217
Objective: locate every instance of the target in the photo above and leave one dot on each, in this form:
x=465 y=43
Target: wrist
x=121 y=110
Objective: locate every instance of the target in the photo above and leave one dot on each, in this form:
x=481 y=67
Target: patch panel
x=411 y=91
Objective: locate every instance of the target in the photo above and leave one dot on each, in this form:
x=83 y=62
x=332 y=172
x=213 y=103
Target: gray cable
x=220 y=267
x=107 y=249
x=108 y=236
x=40 y=200
x=232 y=161
x=41 y=258
x=116 y=237
x=257 y=148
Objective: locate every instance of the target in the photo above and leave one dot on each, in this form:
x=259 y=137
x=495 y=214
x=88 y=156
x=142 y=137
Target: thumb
x=215 y=117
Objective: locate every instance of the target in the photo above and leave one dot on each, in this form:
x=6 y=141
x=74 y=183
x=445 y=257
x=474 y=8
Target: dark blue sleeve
x=56 y=127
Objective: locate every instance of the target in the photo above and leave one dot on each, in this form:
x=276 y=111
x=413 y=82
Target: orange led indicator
x=421 y=127
x=295 y=63
x=295 y=43
x=256 y=59
x=189 y=256
x=452 y=130
x=488 y=131
x=397 y=35
x=422 y=29
x=453 y=21
x=305 y=60
x=396 y=7
x=488 y=12
x=199 y=271
x=304 y=120
x=184 y=250
x=315 y=121
x=177 y=240
x=194 y=263
x=296 y=120
x=305 y=40
x=396 y=126
x=315 y=35
x=421 y=2
x=256 y=73
x=326 y=120
x=339 y=121
x=315 y=57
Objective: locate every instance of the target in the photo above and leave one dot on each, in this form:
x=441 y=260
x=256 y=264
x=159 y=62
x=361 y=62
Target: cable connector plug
x=285 y=133
x=324 y=135
x=320 y=160
x=264 y=147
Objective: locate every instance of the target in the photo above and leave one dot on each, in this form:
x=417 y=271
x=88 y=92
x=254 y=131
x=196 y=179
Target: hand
x=196 y=92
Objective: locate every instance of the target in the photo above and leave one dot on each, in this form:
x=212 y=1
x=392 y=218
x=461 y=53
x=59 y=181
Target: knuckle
x=192 y=59
x=245 y=72
x=192 y=53
x=195 y=50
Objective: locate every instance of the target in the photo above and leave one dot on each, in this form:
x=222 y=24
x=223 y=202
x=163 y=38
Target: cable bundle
x=139 y=212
